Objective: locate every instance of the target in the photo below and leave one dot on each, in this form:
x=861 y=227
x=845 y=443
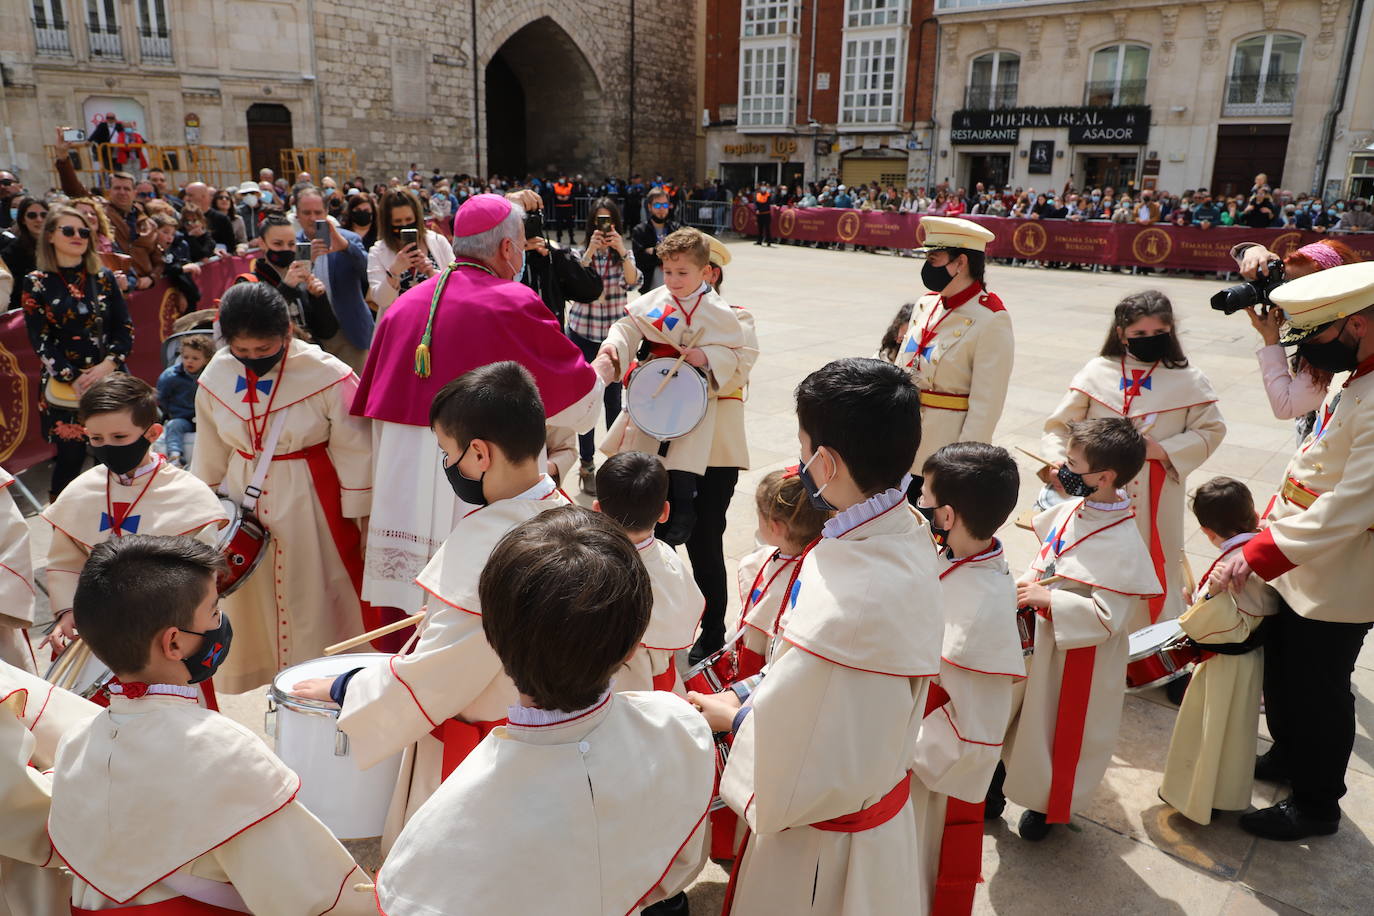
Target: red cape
x=481 y=319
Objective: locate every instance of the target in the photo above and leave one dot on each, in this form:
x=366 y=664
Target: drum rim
x=1158 y=647
x=304 y=705
x=697 y=373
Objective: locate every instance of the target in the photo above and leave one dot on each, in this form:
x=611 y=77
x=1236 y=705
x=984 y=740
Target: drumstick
x=1189 y=580
x=682 y=355
x=364 y=888
x=1045 y=461
x=373 y=634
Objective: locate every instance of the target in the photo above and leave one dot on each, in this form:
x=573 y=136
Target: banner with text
x=153 y=311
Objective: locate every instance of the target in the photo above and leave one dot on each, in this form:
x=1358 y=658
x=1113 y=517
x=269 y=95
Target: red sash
x=961 y=845
x=1074 y=692
x=177 y=906
x=345 y=534
x=459 y=739
x=1157 y=475
x=668 y=679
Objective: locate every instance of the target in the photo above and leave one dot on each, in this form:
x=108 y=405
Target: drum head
x=1150 y=639
x=677 y=409
x=329 y=666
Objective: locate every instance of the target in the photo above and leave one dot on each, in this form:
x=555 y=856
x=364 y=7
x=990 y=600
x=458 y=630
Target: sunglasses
x=70 y=231
x=6 y=182
x=659 y=207
x=36 y=214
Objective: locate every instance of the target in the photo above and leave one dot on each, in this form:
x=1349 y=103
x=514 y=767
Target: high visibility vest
x=563 y=192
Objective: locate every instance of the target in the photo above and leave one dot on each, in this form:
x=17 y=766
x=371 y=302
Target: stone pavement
x=1127 y=851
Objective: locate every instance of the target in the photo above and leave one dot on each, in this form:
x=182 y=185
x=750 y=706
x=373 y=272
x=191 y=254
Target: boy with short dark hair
x=1092 y=571
x=825 y=792
x=148 y=609
x=632 y=491
x=130 y=491
x=969 y=490
x=438 y=701
x=1211 y=764
x=586 y=802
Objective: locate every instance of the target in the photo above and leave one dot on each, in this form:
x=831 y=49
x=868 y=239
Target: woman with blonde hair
x=395 y=264
x=79 y=327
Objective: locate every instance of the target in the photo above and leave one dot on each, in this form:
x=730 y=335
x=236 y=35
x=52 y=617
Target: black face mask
x=1074 y=484
x=280 y=257
x=261 y=365
x=1333 y=356
x=362 y=217
x=941 y=535
x=935 y=278
x=1149 y=349
x=214 y=647
x=464 y=487
x=122 y=458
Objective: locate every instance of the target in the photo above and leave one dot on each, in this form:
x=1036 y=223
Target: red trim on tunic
x=955 y=664
x=391 y=665
x=669 y=867
x=231 y=836
x=1157 y=475
x=1075 y=691
x=42 y=709
x=19 y=577
x=22 y=706
x=342 y=885
x=1117 y=411
x=1265 y=557
x=576 y=718
x=176 y=906
x=855 y=667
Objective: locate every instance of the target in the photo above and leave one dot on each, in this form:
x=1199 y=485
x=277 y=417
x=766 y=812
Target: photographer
x=589 y=323
x=406 y=253
x=550 y=271
x=285 y=265
x=1295 y=387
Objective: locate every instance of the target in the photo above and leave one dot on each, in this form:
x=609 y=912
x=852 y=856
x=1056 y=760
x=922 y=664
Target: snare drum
x=1159 y=653
x=1025 y=624
x=713 y=673
x=79 y=671
x=351 y=802
x=243 y=542
x=677 y=409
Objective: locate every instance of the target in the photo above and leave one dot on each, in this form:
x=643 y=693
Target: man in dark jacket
x=550 y=271
x=645 y=237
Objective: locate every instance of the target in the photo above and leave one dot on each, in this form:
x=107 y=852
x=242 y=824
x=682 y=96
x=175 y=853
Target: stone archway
x=545 y=106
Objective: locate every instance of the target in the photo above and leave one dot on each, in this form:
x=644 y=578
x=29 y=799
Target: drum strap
x=460 y=739
x=269 y=448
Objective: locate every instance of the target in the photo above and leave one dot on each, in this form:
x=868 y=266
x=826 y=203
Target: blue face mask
x=14 y=214
x=813 y=492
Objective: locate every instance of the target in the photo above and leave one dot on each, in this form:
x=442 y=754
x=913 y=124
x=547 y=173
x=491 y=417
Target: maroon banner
x=1064 y=241
x=153 y=312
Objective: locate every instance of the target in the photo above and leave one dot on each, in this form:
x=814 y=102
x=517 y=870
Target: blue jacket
x=345 y=275
x=176 y=392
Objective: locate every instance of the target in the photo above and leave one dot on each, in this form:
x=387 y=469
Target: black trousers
x=706 y=549
x=67 y=464
x=765 y=227
x=1309 y=705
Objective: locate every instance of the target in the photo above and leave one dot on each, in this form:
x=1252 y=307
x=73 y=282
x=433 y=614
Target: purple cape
x=481 y=319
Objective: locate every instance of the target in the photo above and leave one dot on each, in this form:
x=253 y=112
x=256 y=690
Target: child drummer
x=1211 y=764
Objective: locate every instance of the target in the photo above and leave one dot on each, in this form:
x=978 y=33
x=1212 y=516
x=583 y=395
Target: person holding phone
x=285 y=265
x=604 y=251
x=406 y=252
x=341 y=265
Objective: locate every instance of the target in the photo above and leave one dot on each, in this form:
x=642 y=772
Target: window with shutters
x=50 y=28
x=102 y=28
x=154 y=35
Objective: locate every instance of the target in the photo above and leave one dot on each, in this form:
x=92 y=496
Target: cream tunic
x=235 y=828
x=16 y=582
x=1175 y=407
x=1211 y=760
x=960 y=742
x=596 y=815
x=731 y=347
x=1106 y=570
x=862 y=634
x=451 y=671
x=765 y=576
x=678 y=605
x=164 y=502
x=301 y=598
x=33 y=717
x=961 y=346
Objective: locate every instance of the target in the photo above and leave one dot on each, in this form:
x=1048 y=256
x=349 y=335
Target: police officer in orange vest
x=763 y=211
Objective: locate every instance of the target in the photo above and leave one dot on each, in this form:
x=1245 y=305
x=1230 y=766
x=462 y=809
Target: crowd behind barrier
x=153 y=311
x=1092 y=243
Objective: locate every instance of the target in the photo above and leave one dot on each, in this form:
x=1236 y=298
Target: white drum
x=351 y=802
x=677 y=409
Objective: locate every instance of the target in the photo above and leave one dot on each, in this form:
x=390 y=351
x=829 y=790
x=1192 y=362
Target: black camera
x=1251 y=293
x=534 y=225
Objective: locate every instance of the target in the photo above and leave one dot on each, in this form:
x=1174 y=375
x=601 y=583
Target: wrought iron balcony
x=986 y=98
x=106 y=45
x=156 y=49
x=1246 y=96
x=1107 y=93
x=52 y=41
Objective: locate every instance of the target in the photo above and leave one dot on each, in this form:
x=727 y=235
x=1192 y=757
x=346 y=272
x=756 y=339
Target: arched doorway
x=544 y=106
x=269 y=132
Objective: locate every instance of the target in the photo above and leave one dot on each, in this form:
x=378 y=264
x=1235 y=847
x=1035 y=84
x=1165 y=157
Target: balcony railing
x=106 y=45
x=1248 y=97
x=1114 y=92
x=155 y=48
x=985 y=98
x=51 y=40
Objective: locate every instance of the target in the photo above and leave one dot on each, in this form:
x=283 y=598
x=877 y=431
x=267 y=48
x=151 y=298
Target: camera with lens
x=1251 y=293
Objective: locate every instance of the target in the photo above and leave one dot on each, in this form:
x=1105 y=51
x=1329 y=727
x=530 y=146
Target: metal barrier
x=710 y=216
x=218 y=166
x=336 y=162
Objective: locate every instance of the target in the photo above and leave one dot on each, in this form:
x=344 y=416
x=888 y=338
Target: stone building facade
x=603 y=87
x=1143 y=93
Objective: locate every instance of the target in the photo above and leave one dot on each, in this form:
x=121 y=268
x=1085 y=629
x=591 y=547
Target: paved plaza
x=1127 y=852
